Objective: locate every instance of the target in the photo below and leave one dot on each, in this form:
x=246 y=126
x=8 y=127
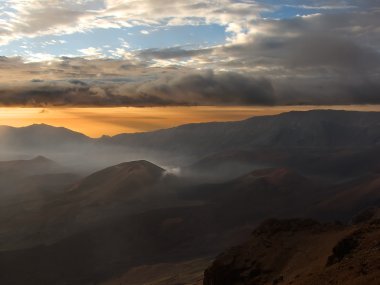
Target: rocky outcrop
x=301 y=252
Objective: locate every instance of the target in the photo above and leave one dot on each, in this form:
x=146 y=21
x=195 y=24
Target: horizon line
x=72 y=129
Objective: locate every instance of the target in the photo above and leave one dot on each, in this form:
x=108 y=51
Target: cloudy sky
x=181 y=52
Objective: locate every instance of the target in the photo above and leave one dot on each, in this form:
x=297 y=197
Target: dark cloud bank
x=190 y=89
x=203 y=88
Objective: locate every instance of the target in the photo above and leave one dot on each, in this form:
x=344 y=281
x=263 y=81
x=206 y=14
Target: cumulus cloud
x=39 y=17
x=91 y=52
x=337 y=42
x=331 y=58
x=15 y=69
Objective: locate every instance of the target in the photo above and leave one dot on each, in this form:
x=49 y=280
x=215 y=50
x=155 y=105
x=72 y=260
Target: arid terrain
x=295 y=195
x=301 y=251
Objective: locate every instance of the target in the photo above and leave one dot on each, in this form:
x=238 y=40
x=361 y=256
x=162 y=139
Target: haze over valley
x=96 y=210
x=214 y=142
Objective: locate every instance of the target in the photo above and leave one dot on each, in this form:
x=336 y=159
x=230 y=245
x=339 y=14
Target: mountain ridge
x=190 y=125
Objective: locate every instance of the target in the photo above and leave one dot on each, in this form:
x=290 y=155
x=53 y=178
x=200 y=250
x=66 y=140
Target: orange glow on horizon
x=96 y=122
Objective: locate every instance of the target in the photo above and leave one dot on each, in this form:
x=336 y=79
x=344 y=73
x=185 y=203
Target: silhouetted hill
x=103 y=196
x=350 y=197
x=115 y=181
x=40 y=136
x=311 y=129
x=330 y=164
x=37 y=165
x=12 y=173
x=227 y=165
x=268 y=192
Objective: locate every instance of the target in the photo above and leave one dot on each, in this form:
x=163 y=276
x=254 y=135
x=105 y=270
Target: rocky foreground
x=300 y=252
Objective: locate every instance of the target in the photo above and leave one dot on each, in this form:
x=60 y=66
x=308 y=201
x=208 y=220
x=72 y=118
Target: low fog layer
x=207 y=145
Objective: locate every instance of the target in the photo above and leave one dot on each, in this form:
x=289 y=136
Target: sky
x=96 y=122
x=161 y=53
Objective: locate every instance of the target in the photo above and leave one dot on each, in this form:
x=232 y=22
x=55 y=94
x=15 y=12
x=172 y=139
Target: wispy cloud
x=33 y=18
x=91 y=52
